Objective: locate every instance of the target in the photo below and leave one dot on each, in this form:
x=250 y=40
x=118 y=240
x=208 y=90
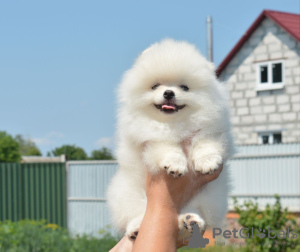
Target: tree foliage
x=272 y=227
x=102 y=154
x=27 y=147
x=9 y=148
x=72 y=152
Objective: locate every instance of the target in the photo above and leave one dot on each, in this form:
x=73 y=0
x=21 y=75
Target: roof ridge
x=283 y=12
x=271 y=14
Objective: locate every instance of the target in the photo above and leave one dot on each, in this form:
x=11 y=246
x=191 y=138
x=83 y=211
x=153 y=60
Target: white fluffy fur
x=151 y=139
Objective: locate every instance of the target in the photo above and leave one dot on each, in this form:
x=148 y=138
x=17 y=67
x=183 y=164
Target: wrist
x=162 y=205
x=164 y=214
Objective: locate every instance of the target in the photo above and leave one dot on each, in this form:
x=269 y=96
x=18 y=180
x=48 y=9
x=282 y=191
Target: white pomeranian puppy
x=169 y=95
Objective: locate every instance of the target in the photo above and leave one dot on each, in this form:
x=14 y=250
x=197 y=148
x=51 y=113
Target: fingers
x=206 y=178
x=192 y=181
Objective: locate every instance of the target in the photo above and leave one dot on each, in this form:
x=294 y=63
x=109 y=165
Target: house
x=262 y=74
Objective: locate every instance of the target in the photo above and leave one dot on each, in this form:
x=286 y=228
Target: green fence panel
x=33 y=191
x=10 y=188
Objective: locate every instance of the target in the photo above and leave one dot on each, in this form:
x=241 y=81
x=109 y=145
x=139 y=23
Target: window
x=269 y=138
x=270 y=75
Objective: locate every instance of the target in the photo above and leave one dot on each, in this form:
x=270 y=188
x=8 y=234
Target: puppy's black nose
x=169 y=94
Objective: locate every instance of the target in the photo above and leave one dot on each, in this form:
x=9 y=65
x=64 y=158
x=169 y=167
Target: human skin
x=166 y=195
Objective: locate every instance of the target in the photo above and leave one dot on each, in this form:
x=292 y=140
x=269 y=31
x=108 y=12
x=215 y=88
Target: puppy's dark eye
x=184 y=87
x=155 y=86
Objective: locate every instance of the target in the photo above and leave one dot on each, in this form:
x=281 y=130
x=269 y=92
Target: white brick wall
x=250 y=93
x=254 y=101
x=296 y=98
x=292 y=89
x=269 y=110
x=243 y=111
x=296 y=107
x=247 y=119
x=255 y=110
x=282 y=99
x=241 y=102
x=268 y=100
x=275 y=117
x=289 y=116
x=284 y=108
x=236 y=95
x=260 y=118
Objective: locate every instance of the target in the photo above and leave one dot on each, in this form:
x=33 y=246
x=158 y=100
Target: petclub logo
x=197 y=240
x=250 y=232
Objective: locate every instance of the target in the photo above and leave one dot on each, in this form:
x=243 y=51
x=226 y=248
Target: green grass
x=210 y=249
x=38 y=236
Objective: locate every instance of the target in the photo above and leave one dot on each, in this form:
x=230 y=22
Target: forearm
x=158 y=231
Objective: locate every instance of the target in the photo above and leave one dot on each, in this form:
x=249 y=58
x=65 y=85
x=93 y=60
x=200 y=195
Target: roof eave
x=253 y=27
x=240 y=43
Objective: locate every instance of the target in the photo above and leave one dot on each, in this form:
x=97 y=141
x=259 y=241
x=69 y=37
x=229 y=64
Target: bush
x=38 y=236
x=272 y=218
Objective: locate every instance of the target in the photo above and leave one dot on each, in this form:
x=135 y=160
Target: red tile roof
x=288 y=21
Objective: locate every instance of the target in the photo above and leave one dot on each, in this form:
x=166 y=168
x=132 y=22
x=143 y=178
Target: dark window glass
x=277 y=72
x=277 y=138
x=265 y=139
x=264 y=74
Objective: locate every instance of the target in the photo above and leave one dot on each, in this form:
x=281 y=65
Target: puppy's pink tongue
x=168 y=107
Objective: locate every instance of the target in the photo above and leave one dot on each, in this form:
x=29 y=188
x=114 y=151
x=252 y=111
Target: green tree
x=102 y=154
x=72 y=152
x=9 y=148
x=27 y=147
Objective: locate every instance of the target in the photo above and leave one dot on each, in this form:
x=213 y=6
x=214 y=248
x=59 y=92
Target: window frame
x=270 y=135
x=269 y=85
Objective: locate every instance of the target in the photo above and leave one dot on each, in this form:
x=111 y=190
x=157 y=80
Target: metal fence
x=33 y=191
x=256 y=172
x=76 y=198
x=87 y=182
x=260 y=171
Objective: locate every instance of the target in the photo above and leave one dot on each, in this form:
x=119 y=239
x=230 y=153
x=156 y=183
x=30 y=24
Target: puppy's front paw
x=133 y=227
x=174 y=164
x=189 y=221
x=208 y=163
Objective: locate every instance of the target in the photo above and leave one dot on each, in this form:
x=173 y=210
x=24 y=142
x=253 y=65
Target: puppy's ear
x=145 y=51
x=211 y=66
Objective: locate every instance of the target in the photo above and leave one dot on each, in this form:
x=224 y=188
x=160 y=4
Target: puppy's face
x=169 y=80
x=169 y=98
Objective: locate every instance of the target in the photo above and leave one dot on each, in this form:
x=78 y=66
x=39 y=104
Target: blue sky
x=61 y=61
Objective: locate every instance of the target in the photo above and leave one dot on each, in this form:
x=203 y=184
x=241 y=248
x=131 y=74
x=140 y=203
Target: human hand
x=173 y=192
x=166 y=194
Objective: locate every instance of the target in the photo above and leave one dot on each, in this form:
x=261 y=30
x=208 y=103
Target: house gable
x=254 y=111
x=288 y=21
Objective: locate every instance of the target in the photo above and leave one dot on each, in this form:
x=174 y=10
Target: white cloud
x=103 y=142
x=49 y=139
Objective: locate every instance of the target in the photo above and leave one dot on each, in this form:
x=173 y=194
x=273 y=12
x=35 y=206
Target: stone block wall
x=254 y=111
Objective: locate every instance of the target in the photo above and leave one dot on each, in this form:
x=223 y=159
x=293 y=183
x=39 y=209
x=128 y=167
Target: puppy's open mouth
x=169 y=108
